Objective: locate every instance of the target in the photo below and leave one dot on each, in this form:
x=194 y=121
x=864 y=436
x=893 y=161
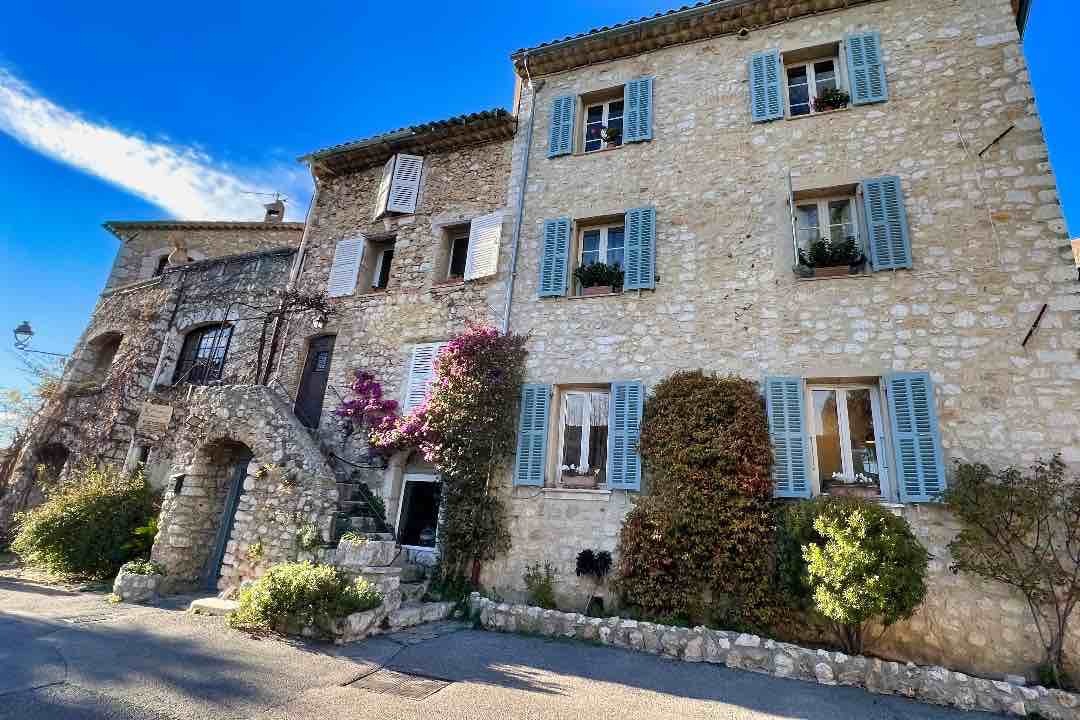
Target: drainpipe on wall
x=520 y=205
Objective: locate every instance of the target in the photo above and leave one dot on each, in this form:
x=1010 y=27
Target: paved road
x=71 y=656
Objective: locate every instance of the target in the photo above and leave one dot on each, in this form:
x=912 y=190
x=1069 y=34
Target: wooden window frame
x=879 y=411
x=561 y=392
x=808 y=57
x=602 y=99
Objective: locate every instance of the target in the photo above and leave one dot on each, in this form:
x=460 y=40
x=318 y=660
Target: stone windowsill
x=863 y=274
x=818 y=114
x=564 y=493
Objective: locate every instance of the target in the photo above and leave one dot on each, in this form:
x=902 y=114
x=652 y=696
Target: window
x=583 y=437
x=459 y=254
x=400 y=185
x=105 y=352
x=162 y=263
x=420 y=371
x=601 y=244
x=603 y=125
x=202 y=358
x=833 y=219
x=382 y=268
x=807 y=82
x=376 y=263
x=418 y=511
x=847 y=439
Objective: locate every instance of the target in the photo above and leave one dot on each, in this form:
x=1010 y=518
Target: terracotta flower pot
x=870 y=492
x=832 y=271
x=579 y=482
x=597 y=290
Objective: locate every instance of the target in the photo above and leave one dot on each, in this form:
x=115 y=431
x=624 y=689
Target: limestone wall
x=989 y=249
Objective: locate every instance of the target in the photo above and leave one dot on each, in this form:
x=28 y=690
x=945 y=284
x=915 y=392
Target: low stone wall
x=358 y=626
x=935 y=685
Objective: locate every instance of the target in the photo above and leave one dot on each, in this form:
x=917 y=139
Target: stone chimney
x=275 y=211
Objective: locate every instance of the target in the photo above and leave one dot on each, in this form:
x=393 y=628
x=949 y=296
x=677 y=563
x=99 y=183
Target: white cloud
x=183 y=181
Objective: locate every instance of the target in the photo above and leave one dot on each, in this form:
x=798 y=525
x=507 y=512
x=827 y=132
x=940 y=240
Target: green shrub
x=863 y=565
x=143 y=567
x=86 y=526
x=700 y=546
x=540 y=582
x=295 y=595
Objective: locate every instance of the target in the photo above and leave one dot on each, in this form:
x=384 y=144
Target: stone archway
x=203 y=510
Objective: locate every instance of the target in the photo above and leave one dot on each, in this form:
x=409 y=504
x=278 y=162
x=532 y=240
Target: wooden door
x=309 y=399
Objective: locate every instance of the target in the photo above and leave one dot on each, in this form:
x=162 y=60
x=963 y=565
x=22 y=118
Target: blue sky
x=135 y=110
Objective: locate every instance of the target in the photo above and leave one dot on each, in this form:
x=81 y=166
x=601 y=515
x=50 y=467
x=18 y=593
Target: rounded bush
x=296 y=595
x=87 y=527
x=699 y=546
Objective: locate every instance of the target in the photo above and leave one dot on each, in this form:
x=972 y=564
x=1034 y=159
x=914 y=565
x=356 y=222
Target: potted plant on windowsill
x=610 y=135
x=599 y=278
x=858 y=486
x=576 y=478
x=831 y=99
x=828 y=259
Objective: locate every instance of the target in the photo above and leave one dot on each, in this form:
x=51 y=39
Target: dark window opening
x=162 y=263
x=419 y=513
x=382 y=268
x=144 y=454
x=459 y=253
x=202 y=358
x=106 y=353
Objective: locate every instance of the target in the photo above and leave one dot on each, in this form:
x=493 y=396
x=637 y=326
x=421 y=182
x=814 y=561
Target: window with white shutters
x=421 y=370
x=400 y=185
x=485 y=236
x=343 y=271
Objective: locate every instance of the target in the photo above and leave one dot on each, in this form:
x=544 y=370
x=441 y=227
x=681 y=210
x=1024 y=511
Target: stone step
x=412 y=591
x=212 y=606
x=417 y=613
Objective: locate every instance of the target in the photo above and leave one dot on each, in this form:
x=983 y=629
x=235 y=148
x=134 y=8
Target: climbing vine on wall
x=465 y=428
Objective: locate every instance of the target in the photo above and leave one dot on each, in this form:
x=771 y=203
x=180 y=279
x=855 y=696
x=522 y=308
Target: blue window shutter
x=624 y=426
x=637 y=110
x=639 y=257
x=554 y=257
x=561 y=135
x=786 y=407
x=920 y=465
x=532 y=435
x=887 y=225
x=766 y=98
x=866 y=71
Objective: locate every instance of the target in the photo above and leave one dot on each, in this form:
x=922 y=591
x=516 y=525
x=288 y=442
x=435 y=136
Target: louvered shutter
x=421 y=369
x=485 y=237
x=561 y=133
x=405 y=184
x=384 y=188
x=637 y=110
x=766 y=99
x=347 y=257
x=639 y=255
x=532 y=435
x=920 y=465
x=624 y=426
x=866 y=71
x=886 y=219
x=554 y=257
x=786 y=407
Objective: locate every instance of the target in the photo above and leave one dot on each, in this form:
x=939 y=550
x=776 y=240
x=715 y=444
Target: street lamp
x=23 y=334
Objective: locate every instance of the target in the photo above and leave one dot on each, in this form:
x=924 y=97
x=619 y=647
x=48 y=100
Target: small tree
x=1023 y=530
x=863 y=566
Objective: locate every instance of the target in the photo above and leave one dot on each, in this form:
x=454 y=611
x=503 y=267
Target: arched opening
x=216 y=483
x=202 y=357
x=103 y=352
x=50 y=461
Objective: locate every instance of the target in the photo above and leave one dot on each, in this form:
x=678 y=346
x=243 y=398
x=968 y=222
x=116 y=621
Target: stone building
x=176 y=304
x=704 y=150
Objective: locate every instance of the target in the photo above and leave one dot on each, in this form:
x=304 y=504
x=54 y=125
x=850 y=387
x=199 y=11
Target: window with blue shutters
x=531 y=458
x=561 y=132
x=766 y=98
x=624 y=426
x=640 y=249
x=866 y=69
x=637 y=110
x=888 y=238
x=554 y=257
x=786 y=408
x=920 y=465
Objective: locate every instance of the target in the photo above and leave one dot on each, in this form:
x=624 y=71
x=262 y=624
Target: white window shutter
x=384 y=188
x=485 y=237
x=347 y=257
x=421 y=370
x=405 y=183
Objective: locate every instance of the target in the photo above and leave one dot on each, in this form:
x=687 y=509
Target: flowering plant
x=856 y=479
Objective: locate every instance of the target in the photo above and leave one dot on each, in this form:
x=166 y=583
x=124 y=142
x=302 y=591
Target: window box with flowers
x=599 y=278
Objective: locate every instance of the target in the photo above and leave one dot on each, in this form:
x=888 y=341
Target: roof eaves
x=117 y=226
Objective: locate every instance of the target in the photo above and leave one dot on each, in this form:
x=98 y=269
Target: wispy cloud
x=185 y=182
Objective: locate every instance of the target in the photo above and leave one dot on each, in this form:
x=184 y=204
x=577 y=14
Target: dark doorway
x=419 y=513
x=309 y=399
x=237 y=472
x=52 y=459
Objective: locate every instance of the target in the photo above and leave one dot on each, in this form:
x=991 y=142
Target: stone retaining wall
x=935 y=685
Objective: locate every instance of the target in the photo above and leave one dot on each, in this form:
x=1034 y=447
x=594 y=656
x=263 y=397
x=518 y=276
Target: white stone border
x=935 y=685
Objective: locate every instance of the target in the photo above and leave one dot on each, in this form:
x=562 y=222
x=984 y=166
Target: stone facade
x=988 y=244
